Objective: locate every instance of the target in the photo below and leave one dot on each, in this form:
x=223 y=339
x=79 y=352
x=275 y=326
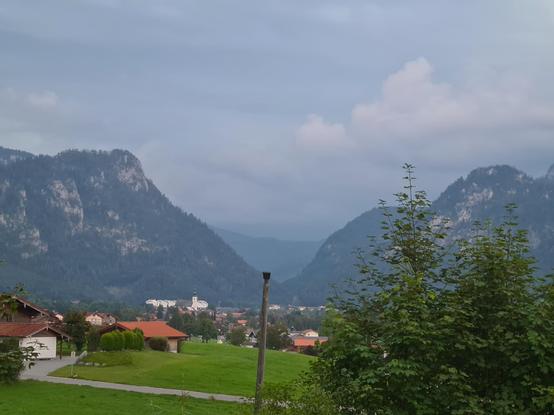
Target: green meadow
x=31 y=398
x=216 y=368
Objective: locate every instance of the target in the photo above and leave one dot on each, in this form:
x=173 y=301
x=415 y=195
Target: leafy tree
x=236 y=336
x=206 y=329
x=8 y=305
x=160 y=313
x=277 y=337
x=432 y=330
x=76 y=326
x=93 y=339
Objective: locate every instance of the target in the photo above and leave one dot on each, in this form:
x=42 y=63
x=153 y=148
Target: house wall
x=44 y=345
x=173 y=345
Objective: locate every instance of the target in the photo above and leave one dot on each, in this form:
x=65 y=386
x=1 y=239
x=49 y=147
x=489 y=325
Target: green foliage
x=139 y=339
x=277 y=337
x=300 y=397
x=93 y=339
x=76 y=326
x=14 y=359
x=236 y=336
x=195 y=325
x=448 y=331
x=8 y=304
x=159 y=344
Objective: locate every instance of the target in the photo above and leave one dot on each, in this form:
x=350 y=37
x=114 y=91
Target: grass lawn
x=32 y=398
x=217 y=368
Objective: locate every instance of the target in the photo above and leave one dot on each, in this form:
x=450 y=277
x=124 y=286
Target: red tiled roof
x=151 y=328
x=308 y=341
x=26 y=329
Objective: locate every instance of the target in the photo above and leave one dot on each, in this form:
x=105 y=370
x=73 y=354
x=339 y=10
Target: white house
x=164 y=303
x=41 y=336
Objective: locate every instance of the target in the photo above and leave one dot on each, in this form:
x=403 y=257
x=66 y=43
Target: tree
x=76 y=326
x=277 y=337
x=436 y=328
x=236 y=336
x=93 y=339
x=13 y=359
x=207 y=329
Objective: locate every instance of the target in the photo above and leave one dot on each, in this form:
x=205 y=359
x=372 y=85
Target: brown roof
x=27 y=329
x=151 y=328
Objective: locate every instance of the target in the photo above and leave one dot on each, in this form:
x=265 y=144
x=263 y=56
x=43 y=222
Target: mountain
x=285 y=259
x=482 y=195
x=90 y=225
x=8 y=156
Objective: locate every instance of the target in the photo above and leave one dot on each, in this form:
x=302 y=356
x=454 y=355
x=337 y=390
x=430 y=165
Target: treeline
x=200 y=325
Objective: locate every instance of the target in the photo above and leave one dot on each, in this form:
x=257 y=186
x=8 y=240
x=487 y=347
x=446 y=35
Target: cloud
x=317 y=134
x=422 y=117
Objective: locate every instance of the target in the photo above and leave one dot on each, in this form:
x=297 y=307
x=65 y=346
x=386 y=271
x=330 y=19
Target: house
x=42 y=336
x=151 y=329
x=304 y=333
x=100 y=319
x=300 y=343
x=27 y=312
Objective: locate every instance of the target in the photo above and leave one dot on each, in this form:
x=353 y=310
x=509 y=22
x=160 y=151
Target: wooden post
x=261 y=345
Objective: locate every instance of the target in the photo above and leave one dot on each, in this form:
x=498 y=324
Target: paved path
x=42 y=368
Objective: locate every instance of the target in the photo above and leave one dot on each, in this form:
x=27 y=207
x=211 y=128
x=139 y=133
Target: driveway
x=42 y=368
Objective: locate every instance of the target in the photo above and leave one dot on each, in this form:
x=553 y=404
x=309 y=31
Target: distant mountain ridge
x=285 y=259
x=91 y=225
x=482 y=195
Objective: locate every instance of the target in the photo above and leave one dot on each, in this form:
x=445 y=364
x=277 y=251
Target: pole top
x=266 y=275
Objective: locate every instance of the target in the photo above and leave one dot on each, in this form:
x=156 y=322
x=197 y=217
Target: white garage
x=42 y=337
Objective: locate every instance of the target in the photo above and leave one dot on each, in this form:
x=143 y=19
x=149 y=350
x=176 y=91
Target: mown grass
x=40 y=398
x=216 y=368
x=110 y=358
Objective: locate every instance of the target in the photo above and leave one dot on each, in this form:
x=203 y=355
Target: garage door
x=44 y=346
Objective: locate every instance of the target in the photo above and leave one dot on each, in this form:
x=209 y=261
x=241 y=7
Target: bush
x=119 y=342
x=139 y=339
x=159 y=343
x=93 y=340
x=13 y=359
x=129 y=340
x=237 y=336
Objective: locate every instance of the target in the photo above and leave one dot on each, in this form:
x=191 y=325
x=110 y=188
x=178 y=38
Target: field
x=31 y=398
x=216 y=368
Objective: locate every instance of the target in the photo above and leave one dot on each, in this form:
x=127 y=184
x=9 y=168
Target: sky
x=283 y=118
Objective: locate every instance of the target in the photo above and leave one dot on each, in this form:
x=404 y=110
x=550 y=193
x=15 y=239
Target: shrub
x=93 y=340
x=119 y=340
x=107 y=342
x=139 y=339
x=129 y=340
x=158 y=343
x=13 y=359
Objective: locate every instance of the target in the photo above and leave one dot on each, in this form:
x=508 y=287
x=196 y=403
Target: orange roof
x=26 y=329
x=151 y=328
x=308 y=341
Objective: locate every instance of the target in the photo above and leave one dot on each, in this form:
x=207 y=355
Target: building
x=164 y=303
x=27 y=312
x=100 y=319
x=301 y=340
x=152 y=329
x=42 y=337
x=196 y=305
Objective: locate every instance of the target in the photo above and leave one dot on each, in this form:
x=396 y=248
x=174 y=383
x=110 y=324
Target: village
x=174 y=321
